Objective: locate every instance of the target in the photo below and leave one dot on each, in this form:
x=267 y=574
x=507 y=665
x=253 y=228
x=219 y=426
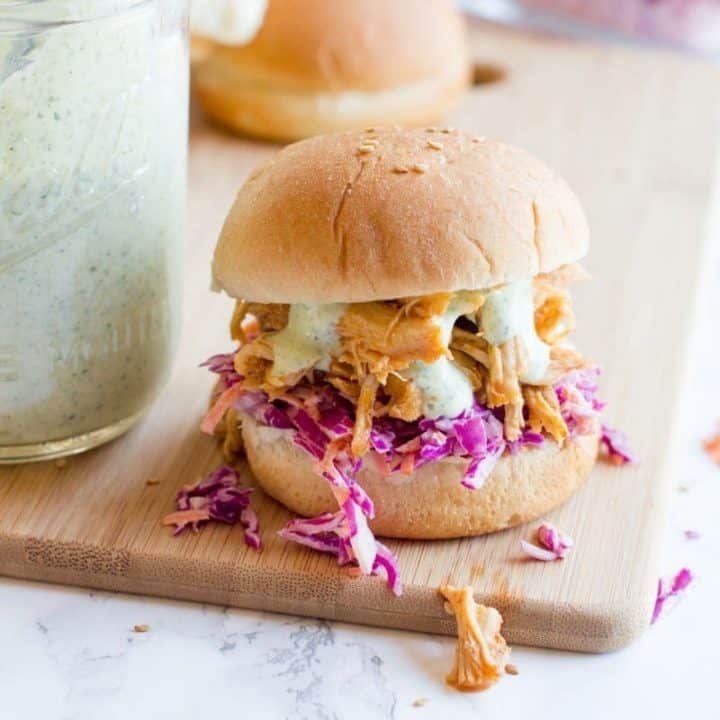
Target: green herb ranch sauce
x=308 y=340
x=311 y=337
x=93 y=127
x=509 y=312
x=445 y=389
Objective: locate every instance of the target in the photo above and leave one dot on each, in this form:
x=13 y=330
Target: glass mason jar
x=93 y=146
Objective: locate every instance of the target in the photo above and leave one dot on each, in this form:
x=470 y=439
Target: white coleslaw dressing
x=230 y=22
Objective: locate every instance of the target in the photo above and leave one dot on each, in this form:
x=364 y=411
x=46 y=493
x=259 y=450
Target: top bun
x=322 y=66
x=333 y=45
x=392 y=213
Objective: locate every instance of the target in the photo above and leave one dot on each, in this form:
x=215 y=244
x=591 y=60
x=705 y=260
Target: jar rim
x=27 y=16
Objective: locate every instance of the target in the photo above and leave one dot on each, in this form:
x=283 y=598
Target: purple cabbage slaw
x=617 y=446
x=552 y=544
x=322 y=421
x=217 y=497
x=330 y=533
x=670 y=588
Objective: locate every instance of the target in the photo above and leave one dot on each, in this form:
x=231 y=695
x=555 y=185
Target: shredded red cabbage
x=332 y=533
x=322 y=420
x=552 y=544
x=223 y=364
x=668 y=588
x=217 y=497
x=617 y=446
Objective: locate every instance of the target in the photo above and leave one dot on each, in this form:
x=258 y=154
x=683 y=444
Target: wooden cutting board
x=636 y=135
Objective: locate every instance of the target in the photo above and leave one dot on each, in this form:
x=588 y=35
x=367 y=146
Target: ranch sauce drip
x=311 y=338
x=308 y=340
x=509 y=312
x=445 y=389
x=93 y=128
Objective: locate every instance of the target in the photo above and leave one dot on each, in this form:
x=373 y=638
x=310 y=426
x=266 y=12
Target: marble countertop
x=68 y=654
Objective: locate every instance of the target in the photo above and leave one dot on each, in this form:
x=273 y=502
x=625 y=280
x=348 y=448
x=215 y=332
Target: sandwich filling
x=405 y=382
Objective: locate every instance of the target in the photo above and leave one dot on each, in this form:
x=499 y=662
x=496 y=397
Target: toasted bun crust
x=429 y=504
x=293 y=78
x=324 y=221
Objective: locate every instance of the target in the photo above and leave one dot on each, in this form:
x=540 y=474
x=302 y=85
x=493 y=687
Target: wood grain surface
x=636 y=136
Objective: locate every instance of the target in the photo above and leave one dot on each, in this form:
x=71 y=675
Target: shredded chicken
x=426 y=306
x=228 y=428
x=342 y=377
x=504 y=386
x=388 y=339
x=471 y=344
x=544 y=411
x=475 y=372
x=253 y=361
x=563 y=359
x=481 y=653
x=514 y=419
x=363 y=416
x=232 y=441
x=378 y=340
x=405 y=400
x=249 y=319
x=554 y=318
x=243 y=327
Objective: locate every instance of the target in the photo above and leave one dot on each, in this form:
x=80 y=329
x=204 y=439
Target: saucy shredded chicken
x=379 y=340
x=364 y=415
x=544 y=411
x=249 y=319
x=481 y=653
x=404 y=399
x=379 y=335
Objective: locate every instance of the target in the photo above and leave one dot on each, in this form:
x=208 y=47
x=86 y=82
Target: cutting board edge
x=582 y=628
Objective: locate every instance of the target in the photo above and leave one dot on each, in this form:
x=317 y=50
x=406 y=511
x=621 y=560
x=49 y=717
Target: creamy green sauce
x=446 y=391
x=309 y=339
x=93 y=131
x=509 y=312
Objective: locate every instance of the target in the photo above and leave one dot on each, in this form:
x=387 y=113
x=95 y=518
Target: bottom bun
x=430 y=503
x=275 y=114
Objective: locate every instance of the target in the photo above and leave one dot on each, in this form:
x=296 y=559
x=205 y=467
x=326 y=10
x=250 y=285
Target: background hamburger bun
x=431 y=503
x=392 y=213
x=201 y=47
x=319 y=66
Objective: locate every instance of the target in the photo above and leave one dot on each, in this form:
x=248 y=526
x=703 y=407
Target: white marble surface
x=69 y=654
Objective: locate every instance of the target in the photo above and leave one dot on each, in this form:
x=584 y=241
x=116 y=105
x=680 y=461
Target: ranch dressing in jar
x=93 y=137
